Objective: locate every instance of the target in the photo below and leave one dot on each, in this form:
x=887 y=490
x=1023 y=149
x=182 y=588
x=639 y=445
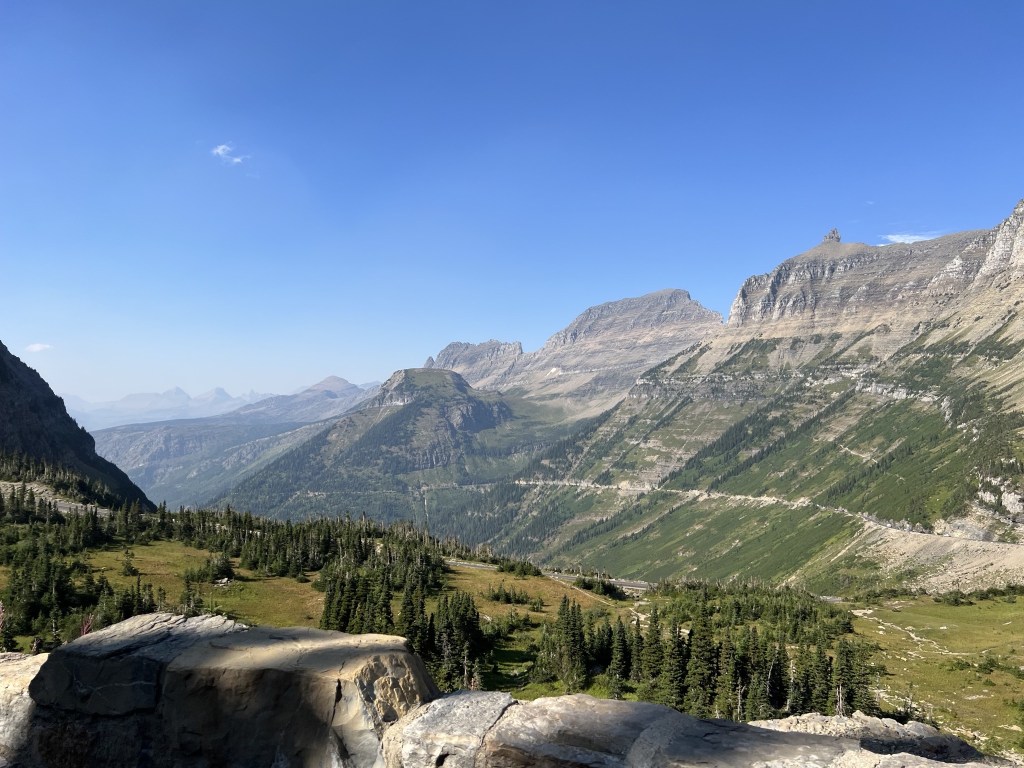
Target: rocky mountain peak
x=411 y=384
x=595 y=359
x=331 y=384
x=1004 y=263
x=668 y=308
x=477 y=362
x=837 y=284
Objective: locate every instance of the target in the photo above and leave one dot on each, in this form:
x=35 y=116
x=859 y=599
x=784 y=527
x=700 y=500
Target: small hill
x=40 y=441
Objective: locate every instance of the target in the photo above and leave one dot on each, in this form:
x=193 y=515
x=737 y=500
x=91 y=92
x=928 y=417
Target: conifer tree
x=671 y=682
x=701 y=671
x=652 y=659
x=727 y=683
x=618 y=667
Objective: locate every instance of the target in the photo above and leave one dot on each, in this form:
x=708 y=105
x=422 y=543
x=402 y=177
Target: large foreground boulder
x=161 y=690
x=492 y=730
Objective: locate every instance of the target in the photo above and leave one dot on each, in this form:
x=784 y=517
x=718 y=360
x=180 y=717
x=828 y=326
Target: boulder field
x=162 y=691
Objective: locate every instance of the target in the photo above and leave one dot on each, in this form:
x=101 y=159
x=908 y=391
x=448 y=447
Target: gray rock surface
x=490 y=730
x=16 y=672
x=882 y=735
x=161 y=690
x=593 y=361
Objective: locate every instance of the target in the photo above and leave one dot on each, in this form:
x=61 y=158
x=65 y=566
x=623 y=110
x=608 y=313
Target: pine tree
x=701 y=671
x=671 y=683
x=618 y=670
x=725 y=704
x=636 y=651
x=653 y=658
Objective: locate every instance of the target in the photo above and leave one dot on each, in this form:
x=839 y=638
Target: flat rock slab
x=490 y=730
x=162 y=691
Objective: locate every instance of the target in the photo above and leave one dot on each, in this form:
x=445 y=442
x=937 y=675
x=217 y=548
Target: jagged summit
x=594 y=360
x=478 y=361
x=832 y=236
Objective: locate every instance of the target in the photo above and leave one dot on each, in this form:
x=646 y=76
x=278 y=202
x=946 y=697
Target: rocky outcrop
x=483 y=364
x=851 y=286
x=1004 y=263
x=16 y=673
x=492 y=730
x=162 y=690
x=592 y=362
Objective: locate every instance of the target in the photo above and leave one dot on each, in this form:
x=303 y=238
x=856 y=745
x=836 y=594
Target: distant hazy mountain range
x=190 y=461
x=155 y=406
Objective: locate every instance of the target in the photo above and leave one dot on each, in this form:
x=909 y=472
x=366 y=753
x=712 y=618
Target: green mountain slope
x=855 y=389
x=189 y=461
x=426 y=431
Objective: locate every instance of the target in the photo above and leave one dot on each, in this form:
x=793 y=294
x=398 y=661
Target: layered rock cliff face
x=881 y=294
x=596 y=358
x=483 y=364
x=874 y=394
x=161 y=690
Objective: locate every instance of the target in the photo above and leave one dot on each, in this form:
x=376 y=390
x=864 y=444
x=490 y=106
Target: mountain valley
x=856 y=399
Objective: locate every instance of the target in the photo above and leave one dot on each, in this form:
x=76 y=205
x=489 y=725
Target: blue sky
x=256 y=195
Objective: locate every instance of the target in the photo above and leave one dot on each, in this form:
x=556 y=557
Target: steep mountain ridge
x=35 y=426
x=483 y=364
x=587 y=366
x=853 y=386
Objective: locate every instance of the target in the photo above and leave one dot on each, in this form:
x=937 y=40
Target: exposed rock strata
x=16 y=672
x=596 y=358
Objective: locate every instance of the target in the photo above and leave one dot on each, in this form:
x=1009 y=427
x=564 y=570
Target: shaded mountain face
x=426 y=432
x=588 y=366
x=858 y=420
x=34 y=424
x=188 y=462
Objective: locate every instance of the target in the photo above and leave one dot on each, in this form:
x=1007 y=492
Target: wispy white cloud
x=38 y=347
x=226 y=153
x=909 y=237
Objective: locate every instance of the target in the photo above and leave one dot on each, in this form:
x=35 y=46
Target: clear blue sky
x=256 y=195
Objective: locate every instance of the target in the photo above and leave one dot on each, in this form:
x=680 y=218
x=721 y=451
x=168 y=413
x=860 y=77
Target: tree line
x=745 y=653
